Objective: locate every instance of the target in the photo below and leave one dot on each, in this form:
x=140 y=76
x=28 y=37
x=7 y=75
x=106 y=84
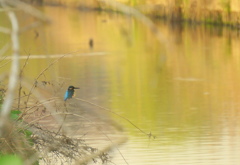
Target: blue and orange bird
x=70 y=92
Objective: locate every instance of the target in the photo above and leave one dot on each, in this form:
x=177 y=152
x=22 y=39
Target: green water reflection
x=186 y=93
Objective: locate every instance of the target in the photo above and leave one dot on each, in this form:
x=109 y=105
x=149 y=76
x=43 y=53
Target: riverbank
x=71 y=131
x=214 y=12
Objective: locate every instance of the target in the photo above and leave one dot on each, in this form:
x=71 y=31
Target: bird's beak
x=76 y=88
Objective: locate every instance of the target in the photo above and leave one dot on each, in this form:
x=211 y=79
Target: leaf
x=27 y=133
x=10 y=160
x=15 y=114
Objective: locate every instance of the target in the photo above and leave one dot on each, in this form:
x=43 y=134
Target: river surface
x=184 y=90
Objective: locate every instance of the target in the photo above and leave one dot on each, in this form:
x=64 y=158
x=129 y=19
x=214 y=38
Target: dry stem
x=6 y=108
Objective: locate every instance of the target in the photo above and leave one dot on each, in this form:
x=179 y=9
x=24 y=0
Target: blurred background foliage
x=208 y=11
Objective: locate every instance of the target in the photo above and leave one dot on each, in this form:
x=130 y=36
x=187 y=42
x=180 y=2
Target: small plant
x=10 y=160
x=16 y=143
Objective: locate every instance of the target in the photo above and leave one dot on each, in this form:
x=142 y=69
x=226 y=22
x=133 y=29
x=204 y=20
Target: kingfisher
x=70 y=92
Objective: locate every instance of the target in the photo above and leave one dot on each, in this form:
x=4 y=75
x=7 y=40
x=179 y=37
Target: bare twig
x=5 y=30
x=44 y=70
x=42 y=103
x=86 y=158
x=1 y=66
x=28 y=9
x=47 y=105
x=20 y=83
x=31 y=26
x=116 y=147
x=108 y=148
x=4 y=49
x=129 y=121
x=8 y=8
x=6 y=108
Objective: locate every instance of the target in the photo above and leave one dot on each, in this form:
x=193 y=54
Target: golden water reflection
x=186 y=92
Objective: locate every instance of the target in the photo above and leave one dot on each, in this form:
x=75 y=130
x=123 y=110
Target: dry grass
x=43 y=132
x=213 y=11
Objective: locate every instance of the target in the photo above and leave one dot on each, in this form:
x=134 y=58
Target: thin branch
x=87 y=158
x=29 y=9
x=108 y=148
x=5 y=30
x=20 y=83
x=7 y=9
x=31 y=26
x=44 y=70
x=116 y=147
x=13 y=79
x=138 y=15
x=4 y=49
x=106 y=109
x=42 y=103
x=49 y=107
x=1 y=66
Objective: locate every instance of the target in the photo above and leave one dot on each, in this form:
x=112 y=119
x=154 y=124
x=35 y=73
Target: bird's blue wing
x=66 y=96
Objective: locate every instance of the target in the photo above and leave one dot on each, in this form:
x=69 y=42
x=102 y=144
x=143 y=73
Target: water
x=184 y=91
